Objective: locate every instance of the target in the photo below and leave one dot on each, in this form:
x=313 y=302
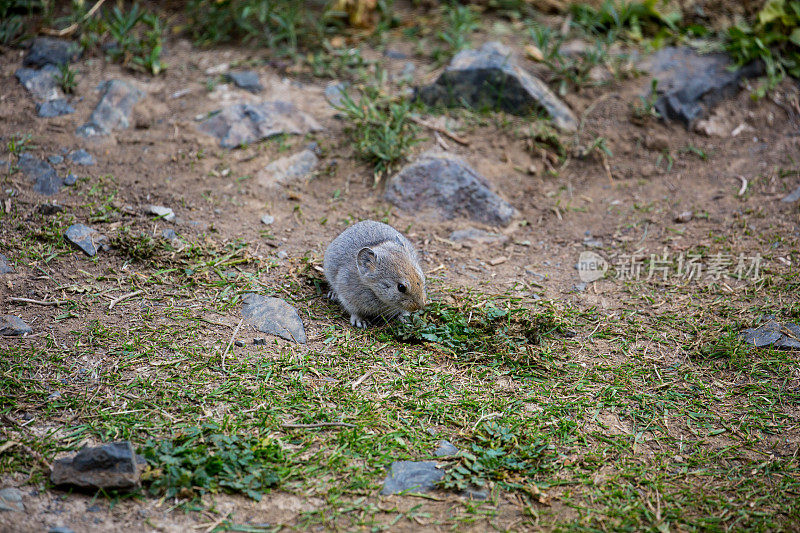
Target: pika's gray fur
x=374 y=272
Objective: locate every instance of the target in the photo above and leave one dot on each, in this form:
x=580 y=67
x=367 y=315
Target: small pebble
x=239 y=343
x=259 y=341
x=267 y=220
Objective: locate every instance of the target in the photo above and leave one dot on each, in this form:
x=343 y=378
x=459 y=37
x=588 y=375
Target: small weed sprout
x=66 y=78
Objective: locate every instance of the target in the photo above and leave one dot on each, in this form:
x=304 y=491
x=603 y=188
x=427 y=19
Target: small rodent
x=374 y=272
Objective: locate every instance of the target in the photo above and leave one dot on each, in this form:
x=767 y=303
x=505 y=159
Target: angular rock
x=5 y=268
x=50 y=51
x=85 y=239
x=44 y=176
x=113 y=111
x=414 y=476
x=288 y=169
x=13 y=326
x=450 y=186
x=491 y=78
x=792 y=196
x=11 y=500
x=110 y=466
x=684 y=217
x=445 y=449
x=785 y=336
x=81 y=157
x=478 y=236
x=240 y=124
x=54 y=108
x=267 y=220
x=41 y=84
x=247 y=80
x=334 y=93
x=690 y=84
x=273 y=316
x=165 y=213
x=71 y=179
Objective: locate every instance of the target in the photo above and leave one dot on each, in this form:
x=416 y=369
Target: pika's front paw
x=333 y=296
x=358 y=322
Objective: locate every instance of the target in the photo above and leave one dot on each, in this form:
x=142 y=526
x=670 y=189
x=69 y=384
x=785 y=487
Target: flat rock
x=54 y=108
x=690 y=84
x=13 y=326
x=110 y=466
x=490 y=78
x=11 y=500
x=165 y=213
x=113 y=111
x=448 y=185
x=51 y=51
x=81 y=157
x=247 y=80
x=85 y=239
x=779 y=335
x=792 y=196
x=5 y=268
x=445 y=449
x=288 y=169
x=240 y=124
x=44 y=176
x=41 y=83
x=273 y=316
x=414 y=476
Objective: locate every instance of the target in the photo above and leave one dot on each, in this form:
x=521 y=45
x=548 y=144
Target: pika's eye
x=401 y=287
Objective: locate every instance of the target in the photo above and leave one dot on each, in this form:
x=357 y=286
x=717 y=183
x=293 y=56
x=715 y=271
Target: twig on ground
x=72 y=27
x=35 y=302
x=230 y=343
x=115 y=301
x=443 y=131
x=318 y=425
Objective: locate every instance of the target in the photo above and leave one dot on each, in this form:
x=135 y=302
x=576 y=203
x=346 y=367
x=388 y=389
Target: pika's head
x=392 y=272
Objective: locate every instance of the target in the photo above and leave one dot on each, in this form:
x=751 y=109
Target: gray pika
x=374 y=272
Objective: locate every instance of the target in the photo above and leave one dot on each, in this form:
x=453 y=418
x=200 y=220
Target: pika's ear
x=367 y=261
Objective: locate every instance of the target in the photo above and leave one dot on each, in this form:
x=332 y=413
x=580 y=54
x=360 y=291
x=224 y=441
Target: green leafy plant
x=137 y=37
x=204 y=459
x=13 y=14
x=19 y=143
x=66 y=78
x=138 y=246
x=460 y=22
x=623 y=18
x=645 y=108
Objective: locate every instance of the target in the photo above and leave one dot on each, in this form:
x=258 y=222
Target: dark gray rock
x=11 y=499
x=240 y=124
x=334 y=93
x=41 y=84
x=478 y=236
x=451 y=187
x=690 y=84
x=414 y=476
x=113 y=111
x=5 y=268
x=247 y=80
x=44 y=176
x=273 y=316
x=71 y=179
x=13 y=326
x=81 y=157
x=86 y=239
x=54 y=108
x=289 y=169
x=785 y=336
x=51 y=51
x=792 y=196
x=49 y=210
x=110 y=466
x=60 y=529
x=259 y=341
x=490 y=78
x=445 y=449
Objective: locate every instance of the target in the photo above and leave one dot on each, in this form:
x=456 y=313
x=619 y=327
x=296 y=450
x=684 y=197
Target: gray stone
x=590 y=242
x=13 y=326
x=71 y=179
x=450 y=186
x=478 y=236
x=11 y=499
x=289 y=169
x=60 y=529
x=792 y=196
x=169 y=234
x=5 y=268
x=491 y=78
x=414 y=476
x=273 y=316
x=259 y=341
x=108 y=466
x=475 y=494
x=334 y=93
x=785 y=336
x=579 y=287
x=44 y=176
x=690 y=84
x=55 y=159
x=247 y=80
x=81 y=157
x=240 y=124
x=684 y=217
x=50 y=51
x=267 y=220
x=41 y=84
x=54 y=108
x=445 y=449
x=86 y=239
x=162 y=212
x=113 y=111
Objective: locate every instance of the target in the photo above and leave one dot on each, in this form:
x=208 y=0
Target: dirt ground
x=628 y=201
